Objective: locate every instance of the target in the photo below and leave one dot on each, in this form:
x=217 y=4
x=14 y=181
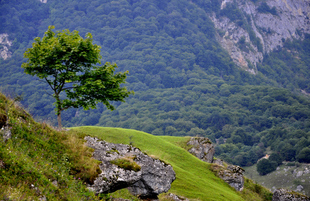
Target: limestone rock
x=285 y=195
x=5 y=44
x=233 y=175
x=153 y=178
x=218 y=162
x=202 y=148
x=291 y=21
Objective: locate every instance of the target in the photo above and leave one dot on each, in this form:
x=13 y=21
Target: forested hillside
x=185 y=83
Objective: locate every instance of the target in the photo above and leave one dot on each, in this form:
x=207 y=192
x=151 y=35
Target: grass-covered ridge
x=194 y=179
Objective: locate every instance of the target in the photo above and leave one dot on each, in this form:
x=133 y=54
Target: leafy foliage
x=65 y=61
x=266 y=166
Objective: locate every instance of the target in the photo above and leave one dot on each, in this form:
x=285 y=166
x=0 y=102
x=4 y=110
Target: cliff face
x=271 y=23
x=5 y=44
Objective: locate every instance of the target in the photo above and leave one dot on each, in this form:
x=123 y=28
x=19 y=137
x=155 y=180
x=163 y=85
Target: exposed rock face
x=285 y=195
x=291 y=20
x=202 y=148
x=155 y=176
x=233 y=175
x=4 y=46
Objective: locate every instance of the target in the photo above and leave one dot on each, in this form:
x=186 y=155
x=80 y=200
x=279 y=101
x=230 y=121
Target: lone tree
x=68 y=63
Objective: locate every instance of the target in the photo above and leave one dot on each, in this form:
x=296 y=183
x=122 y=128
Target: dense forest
x=185 y=83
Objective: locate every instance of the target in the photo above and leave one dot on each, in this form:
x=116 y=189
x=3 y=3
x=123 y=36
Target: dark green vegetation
x=185 y=83
x=39 y=162
x=194 y=178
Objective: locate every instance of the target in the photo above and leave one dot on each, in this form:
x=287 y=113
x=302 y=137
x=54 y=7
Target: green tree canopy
x=68 y=63
x=265 y=166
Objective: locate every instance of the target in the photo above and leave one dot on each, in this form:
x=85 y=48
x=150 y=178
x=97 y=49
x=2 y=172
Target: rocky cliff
x=5 y=44
x=258 y=27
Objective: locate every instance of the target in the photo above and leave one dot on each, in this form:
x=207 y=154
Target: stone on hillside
x=218 y=162
x=6 y=133
x=202 y=148
x=174 y=197
x=153 y=178
x=299 y=173
x=233 y=175
x=285 y=195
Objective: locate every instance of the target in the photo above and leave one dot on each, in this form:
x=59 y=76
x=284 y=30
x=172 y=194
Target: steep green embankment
x=39 y=162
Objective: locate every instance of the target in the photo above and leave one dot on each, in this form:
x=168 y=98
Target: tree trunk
x=58 y=110
x=59 y=120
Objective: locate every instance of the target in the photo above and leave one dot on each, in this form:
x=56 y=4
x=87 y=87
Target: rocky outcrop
x=285 y=195
x=5 y=44
x=290 y=20
x=152 y=178
x=202 y=148
x=233 y=175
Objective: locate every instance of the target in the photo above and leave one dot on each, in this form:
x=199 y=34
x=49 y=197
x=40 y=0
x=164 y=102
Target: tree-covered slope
x=185 y=82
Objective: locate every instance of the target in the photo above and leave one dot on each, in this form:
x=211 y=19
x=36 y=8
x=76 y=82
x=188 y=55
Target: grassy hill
x=39 y=162
x=194 y=179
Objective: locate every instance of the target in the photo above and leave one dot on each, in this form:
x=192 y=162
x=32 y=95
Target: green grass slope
x=38 y=162
x=194 y=179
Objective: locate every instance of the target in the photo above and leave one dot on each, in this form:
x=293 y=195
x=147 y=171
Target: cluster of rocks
x=285 y=195
x=203 y=149
x=153 y=178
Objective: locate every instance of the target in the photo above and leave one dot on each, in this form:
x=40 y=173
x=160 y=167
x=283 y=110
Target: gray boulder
x=6 y=133
x=233 y=175
x=285 y=195
x=153 y=178
x=202 y=148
